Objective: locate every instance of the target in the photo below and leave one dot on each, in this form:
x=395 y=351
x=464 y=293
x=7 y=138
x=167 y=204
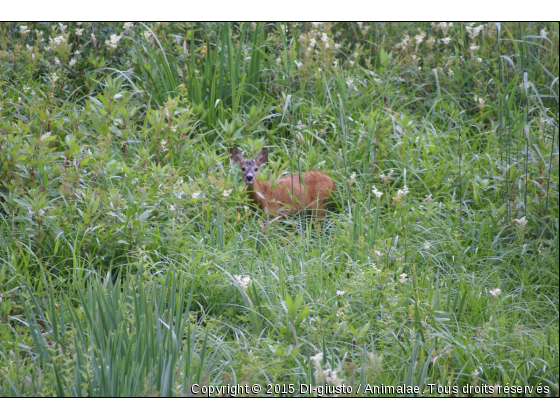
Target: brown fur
x=287 y=196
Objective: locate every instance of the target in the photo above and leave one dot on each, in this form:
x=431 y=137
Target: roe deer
x=288 y=195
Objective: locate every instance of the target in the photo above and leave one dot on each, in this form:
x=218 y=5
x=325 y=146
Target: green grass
x=124 y=226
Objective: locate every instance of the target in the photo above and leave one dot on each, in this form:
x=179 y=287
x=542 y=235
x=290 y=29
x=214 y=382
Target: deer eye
x=243 y=169
x=256 y=169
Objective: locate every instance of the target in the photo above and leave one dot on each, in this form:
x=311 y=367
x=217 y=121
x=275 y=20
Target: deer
x=309 y=191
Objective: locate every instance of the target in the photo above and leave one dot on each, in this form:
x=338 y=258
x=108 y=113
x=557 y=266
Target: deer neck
x=258 y=193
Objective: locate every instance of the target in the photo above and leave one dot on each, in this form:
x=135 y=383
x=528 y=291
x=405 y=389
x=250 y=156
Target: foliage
x=131 y=264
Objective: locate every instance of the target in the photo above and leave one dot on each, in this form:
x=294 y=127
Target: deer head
x=249 y=168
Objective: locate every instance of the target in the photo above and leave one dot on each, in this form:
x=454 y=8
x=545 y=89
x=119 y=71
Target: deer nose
x=249 y=178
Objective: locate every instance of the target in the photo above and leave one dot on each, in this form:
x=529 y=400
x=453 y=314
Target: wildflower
x=478 y=60
x=278 y=60
x=374 y=268
x=324 y=37
x=72 y=62
x=57 y=40
x=297 y=63
x=400 y=195
x=520 y=223
x=29 y=47
x=376 y=192
x=430 y=42
x=23 y=29
x=474 y=48
x=386 y=178
x=195 y=195
x=495 y=293
x=445 y=40
x=335 y=63
x=450 y=73
x=352 y=178
x=379 y=254
x=243 y=282
x=404 y=43
x=340 y=293
x=543 y=32
x=479 y=102
x=93 y=38
x=62 y=27
x=226 y=193
x=246 y=208
x=79 y=31
x=54 y=77
x=56 y=61
x=419 y=38
x=474 y=31
x=127 y=26
x=427 y=245
x=474 y=375
x=172 y=207
x=312 y=42
x=113 y=41
x=402 y=278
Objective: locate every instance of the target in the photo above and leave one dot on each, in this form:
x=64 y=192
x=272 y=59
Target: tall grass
x=126 y=240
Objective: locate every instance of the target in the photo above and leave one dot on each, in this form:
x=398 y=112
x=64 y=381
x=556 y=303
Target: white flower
x=62 y=27
x=72 y=62
x=54 y=77
x=226 y=193
x=520 y=223
x=543 y=32
x=92 y=36
x=278 y=60
x=312 y=42
x=475 y=373
x=324 y=37
x=23 y=29
x=402 y=278
x=400 y=194
x=376 y=192
x=243 y=282
x=56 y=61
x=495 y=293
x=419 y=38
x=195 y=195
x=352 y=177
x=478 y=60
x=113 y=42
x=450 y=73
x=379 y=254
x=445 y=40
x=479 y=101
x=297 y=63
x=340 y=293
x=172 y=207
x=474 y=48
x=127 y=26
x=374 y=267
x=79 y=31
x=427 y=245
x=57 y=41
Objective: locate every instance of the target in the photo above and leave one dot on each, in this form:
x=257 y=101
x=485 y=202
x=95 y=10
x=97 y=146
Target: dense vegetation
x=132 y=265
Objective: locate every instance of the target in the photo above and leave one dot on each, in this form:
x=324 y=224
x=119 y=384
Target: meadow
x=131 y=261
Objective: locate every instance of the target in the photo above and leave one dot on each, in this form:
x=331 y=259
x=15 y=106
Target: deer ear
x=262 y=158
x=237 y=156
